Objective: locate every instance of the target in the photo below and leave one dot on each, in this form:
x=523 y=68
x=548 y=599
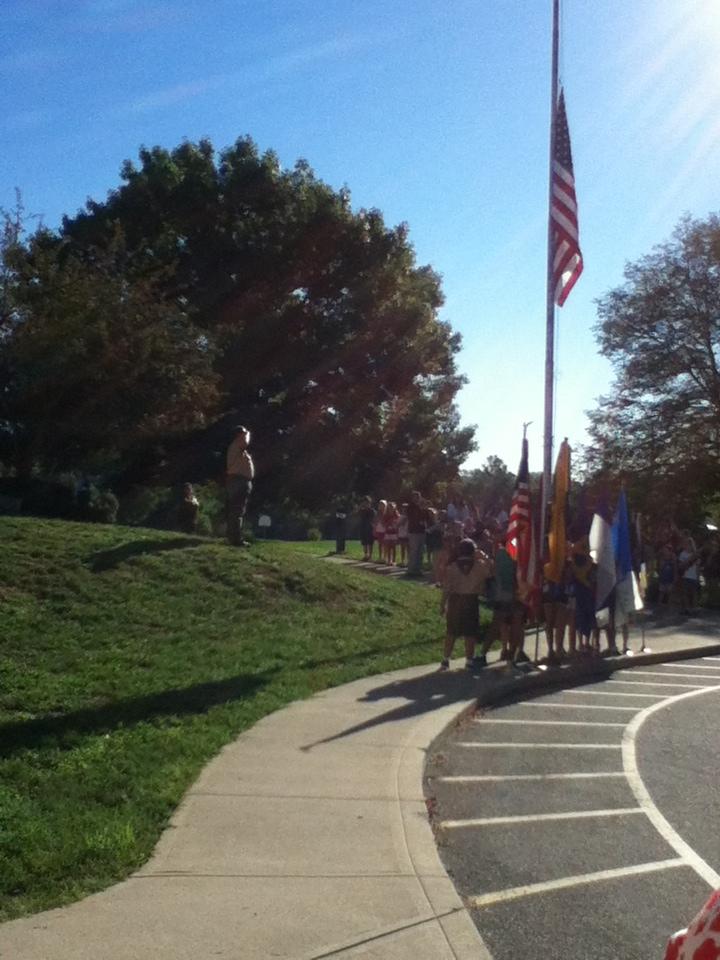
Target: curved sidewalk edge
x=307 y=837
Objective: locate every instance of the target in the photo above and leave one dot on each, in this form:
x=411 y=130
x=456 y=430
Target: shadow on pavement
x=703 y=624
x=435 y=690
x=61 y=729
x=431 y=691
x=109 y=559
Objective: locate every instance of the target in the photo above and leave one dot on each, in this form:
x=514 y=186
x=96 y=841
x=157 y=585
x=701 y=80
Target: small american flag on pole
x=517 y=537
x=567 y=258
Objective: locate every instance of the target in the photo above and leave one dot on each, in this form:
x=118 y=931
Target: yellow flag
x=557 y=536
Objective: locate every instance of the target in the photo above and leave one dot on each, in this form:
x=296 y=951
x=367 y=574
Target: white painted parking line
x=666 y=831
x=573 y=706
x=714 y=659
x=554 y=723
x=496 y=778
x=538 y=817
x=688 y=666
x=609 y=693
x=656 y=683
x=514 y=893
x=685 y=676
x=540 y=746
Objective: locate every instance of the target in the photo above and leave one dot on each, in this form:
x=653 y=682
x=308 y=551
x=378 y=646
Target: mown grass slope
x=128 y=657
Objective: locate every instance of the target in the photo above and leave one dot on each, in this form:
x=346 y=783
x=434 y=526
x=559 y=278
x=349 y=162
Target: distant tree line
x=213 y=289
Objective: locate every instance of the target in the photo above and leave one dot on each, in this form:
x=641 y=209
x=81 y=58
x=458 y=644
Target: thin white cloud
x=179 y=93
x=275 y=68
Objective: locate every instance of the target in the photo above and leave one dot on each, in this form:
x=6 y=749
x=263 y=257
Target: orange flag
x=557 y=535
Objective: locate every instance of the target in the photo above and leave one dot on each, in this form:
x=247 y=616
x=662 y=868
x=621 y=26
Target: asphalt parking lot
x=585 y=822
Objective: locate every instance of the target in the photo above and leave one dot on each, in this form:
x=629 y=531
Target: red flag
x=567 y=258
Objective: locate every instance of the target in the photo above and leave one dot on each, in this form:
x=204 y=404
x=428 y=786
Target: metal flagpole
x=550 y=304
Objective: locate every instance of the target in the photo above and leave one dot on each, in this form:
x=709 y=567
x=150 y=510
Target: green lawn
x=128 y=657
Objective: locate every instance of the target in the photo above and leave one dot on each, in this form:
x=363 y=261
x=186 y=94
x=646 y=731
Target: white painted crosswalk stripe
x=580 y=691
x=552 y=723
x=540 y=746
x=540 y=817
x=690 y=666
x=574 y=706
x=654 y=683
x=514 y=893
x=498 y=778
x=666 y=673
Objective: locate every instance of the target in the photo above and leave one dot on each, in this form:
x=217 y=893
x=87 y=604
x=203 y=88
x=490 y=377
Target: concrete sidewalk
x=308 y=837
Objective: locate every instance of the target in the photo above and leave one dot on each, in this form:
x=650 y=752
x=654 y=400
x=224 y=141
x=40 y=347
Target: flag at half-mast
x=567 y=258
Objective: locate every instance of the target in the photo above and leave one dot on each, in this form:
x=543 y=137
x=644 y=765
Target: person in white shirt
x=240 y=471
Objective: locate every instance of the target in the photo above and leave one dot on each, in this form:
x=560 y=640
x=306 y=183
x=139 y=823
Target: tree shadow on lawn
x=381 y=650
x=62 y=730
x=110 y=559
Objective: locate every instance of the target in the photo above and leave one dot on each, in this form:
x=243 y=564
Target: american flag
x=522 y=538
x=517 y=538
x=567 y=258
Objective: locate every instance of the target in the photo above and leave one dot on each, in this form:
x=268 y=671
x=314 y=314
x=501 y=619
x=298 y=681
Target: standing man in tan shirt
x=240 y=471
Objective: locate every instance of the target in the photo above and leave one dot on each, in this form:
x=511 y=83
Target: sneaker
x=444 y=665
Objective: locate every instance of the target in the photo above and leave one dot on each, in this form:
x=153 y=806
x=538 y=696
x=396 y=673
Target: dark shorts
x=238 y=490
x=367 y=538
x=463 y=615
x=505 y=611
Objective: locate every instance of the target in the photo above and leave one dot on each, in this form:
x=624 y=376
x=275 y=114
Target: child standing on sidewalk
x=464 y=581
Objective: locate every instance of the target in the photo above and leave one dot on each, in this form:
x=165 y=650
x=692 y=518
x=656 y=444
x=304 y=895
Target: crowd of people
x=464 y=549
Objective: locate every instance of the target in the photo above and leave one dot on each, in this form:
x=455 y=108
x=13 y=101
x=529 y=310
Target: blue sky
x=434 y=111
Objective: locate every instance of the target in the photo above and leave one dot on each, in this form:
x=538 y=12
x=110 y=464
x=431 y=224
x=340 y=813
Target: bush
x=43 y=498
x=140 y=504
x=103 y=506
x=211 y=521
x=314 y=533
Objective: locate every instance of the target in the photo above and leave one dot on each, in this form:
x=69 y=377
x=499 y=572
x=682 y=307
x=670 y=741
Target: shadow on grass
x=109 y=559
x=63 y=730
x=381 y=650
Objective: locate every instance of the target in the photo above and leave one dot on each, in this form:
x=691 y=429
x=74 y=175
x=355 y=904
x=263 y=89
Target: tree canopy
x=207 y=290
x=661 y=329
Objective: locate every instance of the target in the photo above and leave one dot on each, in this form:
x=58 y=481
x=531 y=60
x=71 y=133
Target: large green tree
x=660 y=425
x=324 y=331
x=98 y=365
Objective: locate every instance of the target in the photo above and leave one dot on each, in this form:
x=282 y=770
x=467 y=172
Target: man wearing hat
x=240 y=471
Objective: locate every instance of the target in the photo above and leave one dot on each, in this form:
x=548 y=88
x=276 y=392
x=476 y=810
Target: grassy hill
x=129 y=657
